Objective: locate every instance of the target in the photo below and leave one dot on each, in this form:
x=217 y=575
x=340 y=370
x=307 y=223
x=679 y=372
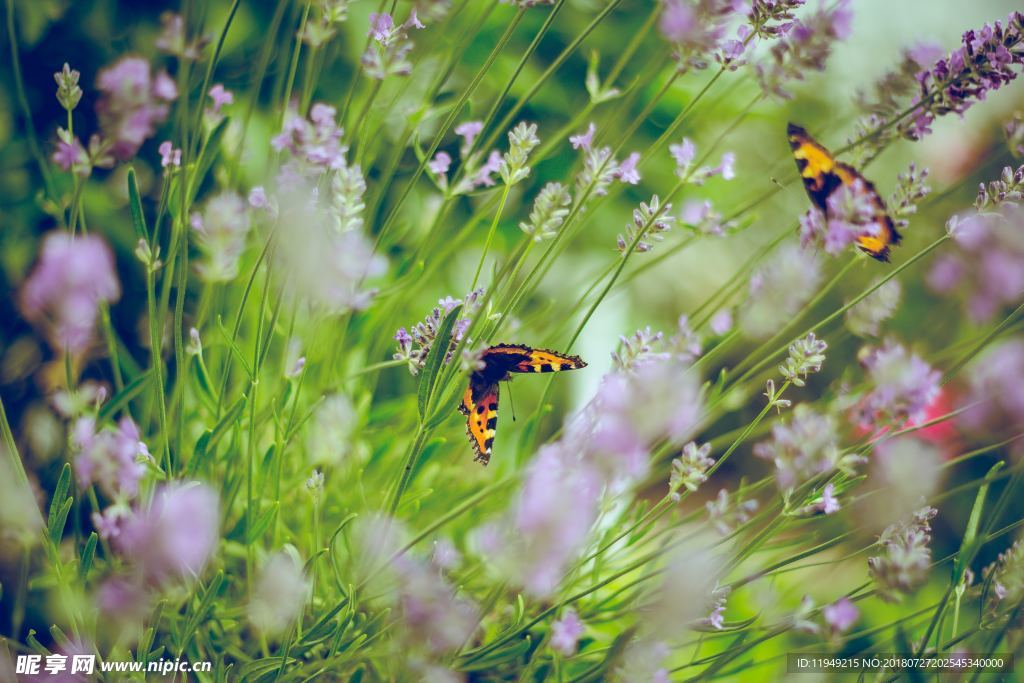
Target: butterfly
x=823 y=174
x=480 y=402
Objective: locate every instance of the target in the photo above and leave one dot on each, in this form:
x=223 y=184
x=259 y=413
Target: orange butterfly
x=823 y=174
x=480 y=402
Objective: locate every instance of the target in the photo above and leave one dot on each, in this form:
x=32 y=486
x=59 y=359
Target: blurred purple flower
x=903 y=386
x=778 y=289
x=841 y=615
x=583 y=140
x=988 y=265
x=683 y=153
x=174 y=537
x=317 y=141
x=566 y=632
x=221 y=232
x=169 y=156
x=627 y=171
x=803 y=448
x=133 y=103
x=996 y=389
x=219 y=96
x=73 y=276
x=805 y=47
x=109 y=458
x=440 y=164
x=468 y=131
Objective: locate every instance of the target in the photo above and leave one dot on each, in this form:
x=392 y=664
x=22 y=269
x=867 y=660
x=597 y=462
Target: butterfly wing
x=480 y=406
x=520 y=358
x=822 y=175
x=815 y=163
x=876 y=245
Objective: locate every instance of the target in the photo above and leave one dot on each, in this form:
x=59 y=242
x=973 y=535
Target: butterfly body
x=480 y=401
x=823 y=174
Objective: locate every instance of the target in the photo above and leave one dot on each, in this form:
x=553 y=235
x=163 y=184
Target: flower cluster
x=865 y=318
x=996 y=389
x=316 y=142
x=638 y=348
x=903 y=386
x=549 y=212
x=910 y=190
x=805 y=47
x=477 y=171
x=803 y=448
x=726 y=514
x=906 y=559
x=1007 y=577
x=1008 y=188
x=805 y=357
x=132 y=104
x=600 y=167
x=987 y=268
x=72 y=279
x=779 y=289
x=414 y=347
x=112 y=459
x=696 y=29
x=685 y=153
x=772 y=18
x=984 y=62
x=649 y=222
x=221 y=229
x=388 y=52
x=521 y=140
x=689 y=470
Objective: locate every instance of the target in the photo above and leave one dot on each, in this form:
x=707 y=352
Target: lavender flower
x=549 y=522
x=702 y=219
x=656 y=400
x=996 y=389
x=63 y=293
x=566 y=632
x=326 y=258
x=725 y=515
x=721 y=322
x=803 y=448
x=910 y=190
x=903 y=386
x=684 y=154
x=627 y=171
x=840 y=616
x=779 y=289
x=584 y=140
x=522 y=140
x=1008 y=188
x=169 y=156
x=866 y=317
x=388 y=52
x=440 y=164
x=719 y=598
x=639 y=348
x=175 y=536
x=689 y=469
x=433 y=615
x=219 y=96
x=111 y=459
x=280 y=592
x=694 y=28
x=549 y=212
x=68 y=92
x=805 y=47
x=983 y=63
x=414 y=348
x=221 y=230
x=826 y=503
x=1007 y=577
x=988 y=266
x=805 y=357
x=649 y=221
x=904 y=565
x=71 y=156
x=133 y=104
x=468 y=131
x=770 y=19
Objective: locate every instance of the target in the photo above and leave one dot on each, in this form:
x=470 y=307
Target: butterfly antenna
x=511 y=403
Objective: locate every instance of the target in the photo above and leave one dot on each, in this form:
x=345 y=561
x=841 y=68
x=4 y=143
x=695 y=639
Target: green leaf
x=438 y=350
x=211 y=150
x=969 y=546
x=207 y=443
x=121 y=399
x=60 y=505
x=135 y=204
x=261 y=524
x=88 y=553
x=500 y=656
